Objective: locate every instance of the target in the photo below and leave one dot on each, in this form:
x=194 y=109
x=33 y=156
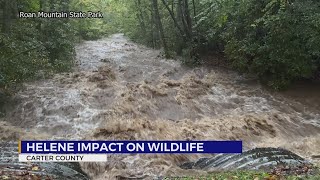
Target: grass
x=245 y=175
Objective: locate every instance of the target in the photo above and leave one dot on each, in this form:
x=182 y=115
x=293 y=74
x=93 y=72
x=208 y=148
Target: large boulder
x=255 y=159
x=11 y=168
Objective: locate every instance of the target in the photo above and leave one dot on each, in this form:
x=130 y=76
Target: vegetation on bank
x=277 y=40
x=33 y=48
x=246 y=175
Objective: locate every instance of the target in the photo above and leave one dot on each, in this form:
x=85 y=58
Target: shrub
x=278 y=40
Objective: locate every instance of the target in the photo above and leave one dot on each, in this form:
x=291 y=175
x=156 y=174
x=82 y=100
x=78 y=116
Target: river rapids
x=120 y=90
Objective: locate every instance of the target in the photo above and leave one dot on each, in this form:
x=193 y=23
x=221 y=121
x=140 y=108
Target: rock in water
x=11 y=168
x=255 y=159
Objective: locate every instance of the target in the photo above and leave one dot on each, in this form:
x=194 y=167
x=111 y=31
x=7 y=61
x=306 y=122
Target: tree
x=158 y=23
x=174 y=19
x=140 y=16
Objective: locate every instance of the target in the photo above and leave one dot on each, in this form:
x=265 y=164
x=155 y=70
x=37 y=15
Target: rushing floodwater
x=124 y=91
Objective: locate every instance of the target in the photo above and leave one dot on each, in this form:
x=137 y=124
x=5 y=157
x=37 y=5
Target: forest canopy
x=276 y=40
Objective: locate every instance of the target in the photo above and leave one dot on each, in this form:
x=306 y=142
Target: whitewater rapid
x=120 y=90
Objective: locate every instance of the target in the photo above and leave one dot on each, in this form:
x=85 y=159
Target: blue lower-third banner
x=119 y=147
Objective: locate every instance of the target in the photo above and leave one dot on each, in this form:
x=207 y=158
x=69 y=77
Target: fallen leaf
x=4 y=177
x=35 y=168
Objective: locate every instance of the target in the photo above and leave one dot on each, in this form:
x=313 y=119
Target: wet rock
x=106 y=60
x=11 y=168
x=255 y=159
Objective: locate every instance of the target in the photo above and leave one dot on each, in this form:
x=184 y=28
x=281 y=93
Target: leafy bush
x=58 y=39
x=21 y=58
x=278 y=40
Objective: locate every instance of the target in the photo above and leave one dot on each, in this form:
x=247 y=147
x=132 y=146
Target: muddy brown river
x=120 y=90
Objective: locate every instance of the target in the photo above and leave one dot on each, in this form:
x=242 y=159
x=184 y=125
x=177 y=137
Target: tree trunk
x=153 y=28
x=141 y=17
x=194 y=10
x=187 y=16
x=172 y=6
x=182 y=14
x=160 y=27
x=174 y=19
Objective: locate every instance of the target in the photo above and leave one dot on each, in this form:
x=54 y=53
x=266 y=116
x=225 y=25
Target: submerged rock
x=255 y=159
x=11 y=168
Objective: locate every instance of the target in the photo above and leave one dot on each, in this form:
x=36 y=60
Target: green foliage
x=36 y=48
x=33 y=48
x=277 y=40
x=191 y=55
x=245 y=175
x=58 y=40
x=21 y=57
x=95 y=28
